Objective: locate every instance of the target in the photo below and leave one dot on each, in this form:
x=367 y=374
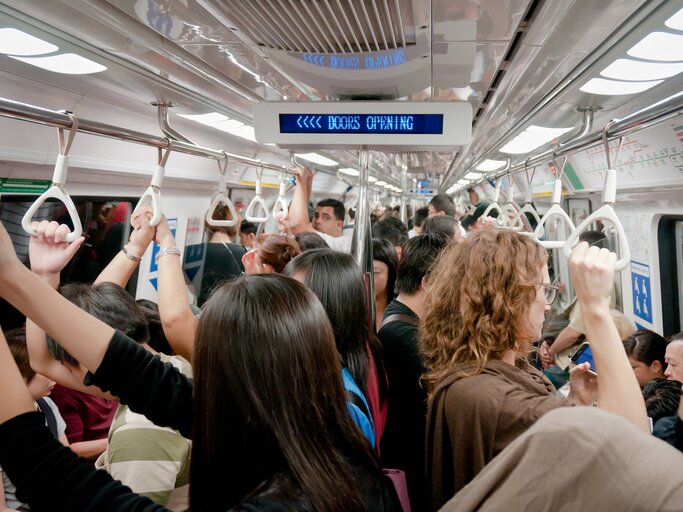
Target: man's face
x=432 y=212
x=674 y=361
x=325 y=221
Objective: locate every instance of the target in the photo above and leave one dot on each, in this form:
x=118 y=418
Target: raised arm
x=121 y=268
x=298 y=211
x=592 y=271
x=177 y=319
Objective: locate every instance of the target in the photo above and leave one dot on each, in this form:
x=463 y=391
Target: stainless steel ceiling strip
x=360 y=26
x=257 y=35
x=329 y=28
x=268 y=20
x=350 y=26
x=282 y=25
x=370 y=27
x=400 y=22
x=310 y=45
x=25 y=112
x=304 y=17
x=380 y=24
x=391 y=23
x=335 y=16
x=313 y=23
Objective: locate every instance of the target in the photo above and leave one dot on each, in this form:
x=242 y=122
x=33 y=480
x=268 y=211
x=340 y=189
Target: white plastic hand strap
x=57 y=190
x=494 y=205
x=555 y=211
x=257 y=201
x=152 y=196
x=281 y=203
x=605 y=212
x=509 y=215
x=528 y=207
x=221 y=197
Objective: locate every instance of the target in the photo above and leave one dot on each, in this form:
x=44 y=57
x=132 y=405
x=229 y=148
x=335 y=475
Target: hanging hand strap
x=57 y=190
x=606 y=212
x=258 y=200
x=555 y=211
x=221 y=197
x=152 y=196
x=281 y=203
x=510 y=210
x=528 y=207
x=494 y=205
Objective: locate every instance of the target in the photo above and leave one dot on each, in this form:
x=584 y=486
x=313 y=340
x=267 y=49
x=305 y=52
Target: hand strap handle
x=494 y=205
x=281 y=203
x=257 y=201
x=57 y=190
x=152 y=195
x=221 y=197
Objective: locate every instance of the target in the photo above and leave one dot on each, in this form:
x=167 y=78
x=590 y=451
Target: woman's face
x=538 y=307
x=40 y=386
x=381 y=275
x=645 y=373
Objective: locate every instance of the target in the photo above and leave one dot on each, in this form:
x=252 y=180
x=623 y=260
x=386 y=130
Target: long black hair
x=269 y=400
x=338 y=282
x=383 y=251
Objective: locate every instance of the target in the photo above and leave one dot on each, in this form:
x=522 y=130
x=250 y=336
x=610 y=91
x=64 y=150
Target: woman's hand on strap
x=143 y=233
x=48 y=252
x=592 y=271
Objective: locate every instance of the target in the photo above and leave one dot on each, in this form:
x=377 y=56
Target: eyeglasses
x=551 y=291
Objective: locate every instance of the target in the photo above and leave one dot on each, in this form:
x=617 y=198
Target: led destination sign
x=409 y=124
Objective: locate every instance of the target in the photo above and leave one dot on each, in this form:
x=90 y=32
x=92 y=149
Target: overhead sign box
x=383 y=124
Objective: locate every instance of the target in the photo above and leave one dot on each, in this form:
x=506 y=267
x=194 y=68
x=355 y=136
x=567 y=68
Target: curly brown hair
x=480 y=291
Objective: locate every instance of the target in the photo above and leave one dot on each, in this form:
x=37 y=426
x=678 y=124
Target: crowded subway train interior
x=559 y=117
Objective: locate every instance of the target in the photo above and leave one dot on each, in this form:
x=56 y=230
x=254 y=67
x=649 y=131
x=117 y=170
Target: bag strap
x=356 y=400
x=50 y=417
x=399 y=317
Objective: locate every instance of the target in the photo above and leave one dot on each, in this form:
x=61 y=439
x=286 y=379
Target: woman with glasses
x=486 y=306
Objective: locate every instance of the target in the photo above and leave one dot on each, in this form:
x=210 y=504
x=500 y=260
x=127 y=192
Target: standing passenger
x=384 y=264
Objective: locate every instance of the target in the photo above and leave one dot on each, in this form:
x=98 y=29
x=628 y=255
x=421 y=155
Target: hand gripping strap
x=152 y=196
x=606 y=212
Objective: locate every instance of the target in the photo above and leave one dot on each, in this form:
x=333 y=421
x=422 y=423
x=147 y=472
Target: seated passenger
x=329 y=214
x=338 y=283
x=646 y=351
x=39 y=388
x=393 y=230
x=403 y=443
x=485 y=307
x=270 y=255
x=259 y=444
x=384 y=263
x=670 y=428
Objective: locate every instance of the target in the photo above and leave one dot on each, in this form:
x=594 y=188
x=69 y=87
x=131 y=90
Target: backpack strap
x=356 y=400
x=399 y=317
x=50 y=417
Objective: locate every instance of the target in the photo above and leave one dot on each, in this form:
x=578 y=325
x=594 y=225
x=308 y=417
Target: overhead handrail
x=221 y=197
x=257 y=200
x=606 y=212
x=510 y=208
x=528 y=206
x=281 y=202
x=57 y=190
x=152 y=195
x=555 y=210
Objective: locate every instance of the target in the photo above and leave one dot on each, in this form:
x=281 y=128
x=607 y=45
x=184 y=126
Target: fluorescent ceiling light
x=676 y=21
x=223 y=123
x=16 y=42
x=629 y=69
x=463 y=182
x=317 y=159
x=349 y=172
x=381 y=183
x=662 y=46
x=473 y=175
x=491 y=165
x=372 y=179
x=65 y=63
x=388 y=186
x=532 y=138
x=615 y=88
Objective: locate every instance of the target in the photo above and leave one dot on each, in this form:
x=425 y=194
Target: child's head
x=38 y=385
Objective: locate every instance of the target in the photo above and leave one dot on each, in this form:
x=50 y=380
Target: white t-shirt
x=337 y=243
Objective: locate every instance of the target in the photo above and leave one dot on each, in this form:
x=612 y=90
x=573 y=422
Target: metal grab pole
x=361 y=246
x=404 y=191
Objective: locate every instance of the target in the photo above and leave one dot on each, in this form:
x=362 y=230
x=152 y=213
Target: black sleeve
x=678 y=427
x=49 y=476
x=145 y=384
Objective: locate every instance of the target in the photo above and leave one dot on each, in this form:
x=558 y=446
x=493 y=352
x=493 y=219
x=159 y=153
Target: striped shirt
x=153 y=461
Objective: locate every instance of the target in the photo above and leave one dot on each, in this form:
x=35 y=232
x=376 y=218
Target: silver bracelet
x=130 y=256
x=166 y=251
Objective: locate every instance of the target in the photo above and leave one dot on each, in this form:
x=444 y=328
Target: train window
x=670 y=242
x=105 y=227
